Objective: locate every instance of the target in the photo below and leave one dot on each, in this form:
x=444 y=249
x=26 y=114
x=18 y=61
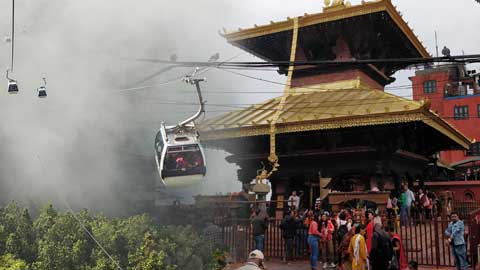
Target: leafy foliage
x=9 y=262
x=59 y=241
x=17 y=236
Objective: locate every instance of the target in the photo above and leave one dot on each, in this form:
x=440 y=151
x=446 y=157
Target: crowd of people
x=346 y=241
x=341 y=242
x=412 y=207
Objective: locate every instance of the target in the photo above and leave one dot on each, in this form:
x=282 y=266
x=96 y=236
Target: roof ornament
x=446 y=51
x=336 y=4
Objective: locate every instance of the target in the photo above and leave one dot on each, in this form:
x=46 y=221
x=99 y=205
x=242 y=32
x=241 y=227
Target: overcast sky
x=88 y=137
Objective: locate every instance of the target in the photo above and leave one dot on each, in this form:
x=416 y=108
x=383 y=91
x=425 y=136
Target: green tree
x=150 y=255
x=58 y=241
x=45 y=220
x=9 y=262
x=64 y=245
x=134 y=229
x=3 y=239
x=17 y=236
x=108 y=234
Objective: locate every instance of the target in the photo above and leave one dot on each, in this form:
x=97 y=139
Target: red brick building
x=454 y=92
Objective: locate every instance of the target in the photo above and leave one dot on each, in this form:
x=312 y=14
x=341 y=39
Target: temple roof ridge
x=329 y=14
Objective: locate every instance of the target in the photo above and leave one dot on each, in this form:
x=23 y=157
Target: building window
x=474 y=149
x=460 y=112
x=478 y=110
x=429 y=87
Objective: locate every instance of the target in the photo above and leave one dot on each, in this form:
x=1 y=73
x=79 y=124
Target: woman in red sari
x=398 y=249
x=370 y=223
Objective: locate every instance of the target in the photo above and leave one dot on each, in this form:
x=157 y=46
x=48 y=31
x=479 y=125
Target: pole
x=201 y=109
x=13 y=33
x=436 y=42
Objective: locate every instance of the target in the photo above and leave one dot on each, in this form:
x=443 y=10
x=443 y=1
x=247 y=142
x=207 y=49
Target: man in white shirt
x=294 y=201
x=409 y=199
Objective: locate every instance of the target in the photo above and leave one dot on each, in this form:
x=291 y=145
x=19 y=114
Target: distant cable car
x=12 y=85
x=42 y=91
x=178 y=153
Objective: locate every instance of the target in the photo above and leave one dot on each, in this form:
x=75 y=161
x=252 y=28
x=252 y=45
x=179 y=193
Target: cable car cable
x=79 y=221
x=12 y=83
x=13 y=34
x=474 y=58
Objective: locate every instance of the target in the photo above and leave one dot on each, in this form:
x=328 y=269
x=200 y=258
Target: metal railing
x=423 y=239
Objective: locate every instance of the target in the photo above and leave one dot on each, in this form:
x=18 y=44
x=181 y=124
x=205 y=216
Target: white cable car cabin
x=178 y=153
x=179 y=156
x=12 y=84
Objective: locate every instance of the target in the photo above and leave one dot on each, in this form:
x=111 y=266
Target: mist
x=89 y=141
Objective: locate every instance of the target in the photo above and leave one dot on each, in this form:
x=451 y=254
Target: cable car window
x=192 y=147
x=194 y=159
x=183 y=160
x=174 y=149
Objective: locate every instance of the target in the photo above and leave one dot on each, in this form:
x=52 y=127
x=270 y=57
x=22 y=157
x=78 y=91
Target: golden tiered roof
x=333 y=105
x=330 y=14
x=323 y=110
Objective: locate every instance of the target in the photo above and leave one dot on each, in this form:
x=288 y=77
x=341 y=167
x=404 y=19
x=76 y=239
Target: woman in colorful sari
x=369 y=229
x=398 y=249
x=358 y=249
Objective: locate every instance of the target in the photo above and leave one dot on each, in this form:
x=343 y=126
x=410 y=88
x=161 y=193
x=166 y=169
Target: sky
x=91 y=141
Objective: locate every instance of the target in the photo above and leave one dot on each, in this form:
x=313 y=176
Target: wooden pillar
x=280 y=190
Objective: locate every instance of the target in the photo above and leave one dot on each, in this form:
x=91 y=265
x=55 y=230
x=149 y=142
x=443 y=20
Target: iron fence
x=464 y=208
x=423 y=240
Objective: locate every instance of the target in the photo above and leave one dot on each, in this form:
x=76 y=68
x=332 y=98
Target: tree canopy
x=57 y=240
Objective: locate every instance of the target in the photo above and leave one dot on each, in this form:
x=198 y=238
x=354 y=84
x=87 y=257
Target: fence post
x=234 y=240
x=438 y=241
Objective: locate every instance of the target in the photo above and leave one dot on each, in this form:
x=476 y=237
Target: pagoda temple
x=334 y=122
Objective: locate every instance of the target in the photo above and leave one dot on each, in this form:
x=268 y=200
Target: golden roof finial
x=334 y=5
x=338 y=3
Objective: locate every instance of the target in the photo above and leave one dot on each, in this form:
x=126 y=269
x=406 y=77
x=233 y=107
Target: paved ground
x=303 y=265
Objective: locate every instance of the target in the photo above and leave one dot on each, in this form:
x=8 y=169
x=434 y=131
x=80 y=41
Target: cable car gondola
x=42 y=91
x=12 y=85
x=179 y=155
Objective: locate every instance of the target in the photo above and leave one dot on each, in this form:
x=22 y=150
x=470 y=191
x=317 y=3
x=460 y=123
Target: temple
x=334 y=127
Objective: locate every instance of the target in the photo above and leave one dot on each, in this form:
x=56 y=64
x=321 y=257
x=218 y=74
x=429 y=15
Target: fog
x=91 y=140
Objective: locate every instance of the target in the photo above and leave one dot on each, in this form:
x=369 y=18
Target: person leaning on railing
x=259 y=226
x=455 y=238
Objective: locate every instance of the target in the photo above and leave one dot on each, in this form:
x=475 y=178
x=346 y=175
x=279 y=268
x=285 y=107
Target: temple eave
x=324 y=17
x=340 y=123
